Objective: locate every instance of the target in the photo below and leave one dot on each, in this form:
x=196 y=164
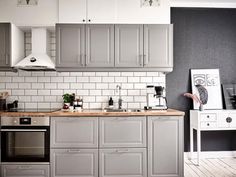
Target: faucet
x=118 y=89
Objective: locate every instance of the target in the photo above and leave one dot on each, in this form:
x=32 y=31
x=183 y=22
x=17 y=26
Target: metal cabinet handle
x=140 y=60
x=122 y=150
x=85 y=60
x=6 y=58
x=23 y=130
x=59 y=46
x=73 y=151
x=24 y=167
x=228 y=119
x=145 y=60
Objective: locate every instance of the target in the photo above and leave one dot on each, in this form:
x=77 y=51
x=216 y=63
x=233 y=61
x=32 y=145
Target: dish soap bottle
x=110 y=103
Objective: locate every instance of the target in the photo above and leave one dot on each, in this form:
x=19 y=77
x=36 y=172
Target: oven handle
x=23 y=130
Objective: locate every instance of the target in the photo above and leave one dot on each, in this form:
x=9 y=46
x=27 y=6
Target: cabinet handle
x=73 y=151
x=145 y=60
x=59 y=46
x=228 y=119
x=6 y=58
x=85 y=60
x=24 y=167
x=122 y=150
x=140 y=60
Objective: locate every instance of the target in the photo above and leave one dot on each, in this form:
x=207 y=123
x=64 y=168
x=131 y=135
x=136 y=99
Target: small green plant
x=67 y=98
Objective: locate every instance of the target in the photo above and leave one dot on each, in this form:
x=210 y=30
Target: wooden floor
x=218 y=167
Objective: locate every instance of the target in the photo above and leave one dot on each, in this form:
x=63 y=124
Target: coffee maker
x=155 y=98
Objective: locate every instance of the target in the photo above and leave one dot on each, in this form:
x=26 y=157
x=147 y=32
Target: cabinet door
x=123 y=162
x=74 y=132
x=72 y=11
x=129 y=46
x=165 y=146
x=122 y=132
x=70 y=45
x=100 y=46
x=25 y=170
x=158 y=46
x=74 y=163
x=102 y=11
x=4 y=45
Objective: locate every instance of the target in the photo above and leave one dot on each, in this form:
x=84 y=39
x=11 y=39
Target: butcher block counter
x=88 y=112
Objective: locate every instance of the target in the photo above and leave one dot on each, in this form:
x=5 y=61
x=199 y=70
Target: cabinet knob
x=228 y=119
x=89 y=20
x=83 y=20
x=208 y=124
x=208 y=116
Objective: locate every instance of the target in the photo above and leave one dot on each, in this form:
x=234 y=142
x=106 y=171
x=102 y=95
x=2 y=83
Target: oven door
x=25 y=143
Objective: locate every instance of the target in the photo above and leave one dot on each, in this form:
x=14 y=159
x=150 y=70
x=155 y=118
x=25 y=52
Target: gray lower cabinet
x=158 y=46
x=99 y=46
x=25 y=170
x=129 y=45
x=122 y=132
x=123 y=162
x=74 y=163
x=5 y=63
x=73 y=132
x=165 y=146
x=70 y=46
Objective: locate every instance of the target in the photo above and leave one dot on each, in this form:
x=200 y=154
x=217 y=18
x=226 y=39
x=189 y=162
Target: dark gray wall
x=203 y=38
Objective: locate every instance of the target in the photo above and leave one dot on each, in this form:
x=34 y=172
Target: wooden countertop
x=99 y=113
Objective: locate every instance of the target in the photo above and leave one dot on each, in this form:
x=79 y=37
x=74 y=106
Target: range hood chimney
x=39 y=59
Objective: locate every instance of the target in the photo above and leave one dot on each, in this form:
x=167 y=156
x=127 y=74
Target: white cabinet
x=74 y=163
x=122 y=132
x=74 y=132
x=227 y=120
x=87 y=11
x=123 y=162
x=25 y=170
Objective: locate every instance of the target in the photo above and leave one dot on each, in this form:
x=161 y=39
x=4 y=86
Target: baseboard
x=212 y=154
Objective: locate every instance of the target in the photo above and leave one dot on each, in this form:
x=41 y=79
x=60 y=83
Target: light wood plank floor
x=217 y=167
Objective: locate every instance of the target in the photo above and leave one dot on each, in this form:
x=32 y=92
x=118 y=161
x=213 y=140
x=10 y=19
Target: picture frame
x=210 y=80
x=229 y=93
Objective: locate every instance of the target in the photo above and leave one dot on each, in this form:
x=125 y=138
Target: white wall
x=45 y=13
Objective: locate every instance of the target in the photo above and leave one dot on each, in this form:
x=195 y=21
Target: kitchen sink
x=122 y=110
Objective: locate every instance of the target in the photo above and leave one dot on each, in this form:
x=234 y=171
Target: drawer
x=208 y=117
x=208 y=125
x=122 y=132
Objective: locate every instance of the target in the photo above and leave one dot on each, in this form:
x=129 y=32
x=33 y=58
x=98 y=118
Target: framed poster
x=229 y=91
x=210 y=79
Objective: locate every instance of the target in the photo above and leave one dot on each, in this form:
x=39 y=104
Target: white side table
x=209 y=120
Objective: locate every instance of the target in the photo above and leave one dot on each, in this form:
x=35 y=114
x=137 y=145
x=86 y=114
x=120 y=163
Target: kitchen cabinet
x=5 y=58
x=84 y=46
x=133 y=132
x=129 y=45
x=87 y=11
x=25 y=170
x=123 y=162
x=158 y=46
x=74 y=163
x=74 y=132
x=165 y=146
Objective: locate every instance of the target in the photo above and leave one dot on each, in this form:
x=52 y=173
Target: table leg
x=191 y=142
x=198 y=146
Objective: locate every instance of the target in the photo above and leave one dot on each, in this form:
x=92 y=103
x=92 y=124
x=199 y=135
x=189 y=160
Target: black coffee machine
x=161 y=102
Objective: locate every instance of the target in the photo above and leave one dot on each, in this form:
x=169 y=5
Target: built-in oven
x=25 y=139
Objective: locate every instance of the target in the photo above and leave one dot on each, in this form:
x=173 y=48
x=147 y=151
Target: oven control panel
x=24 y=121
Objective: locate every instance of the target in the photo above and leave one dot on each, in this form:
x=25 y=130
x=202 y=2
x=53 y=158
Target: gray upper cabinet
x=70 y=45
x=99 y=46
x=165 y=146
x=5 y=29
x=158 y=46
x=129 y=46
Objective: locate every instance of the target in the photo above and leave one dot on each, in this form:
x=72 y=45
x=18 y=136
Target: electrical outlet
x=27 y=2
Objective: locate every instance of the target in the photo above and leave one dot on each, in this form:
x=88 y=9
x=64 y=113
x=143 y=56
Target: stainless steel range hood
x=39 y=59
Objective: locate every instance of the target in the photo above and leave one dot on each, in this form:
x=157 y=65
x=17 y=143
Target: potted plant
x=67 y=98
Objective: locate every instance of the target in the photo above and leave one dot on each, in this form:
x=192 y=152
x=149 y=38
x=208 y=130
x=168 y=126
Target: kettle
x=13 y=105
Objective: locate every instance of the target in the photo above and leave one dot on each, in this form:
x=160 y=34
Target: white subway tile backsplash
x=12 y=85
x=108 y=79
x=18 y=92
x=82 y=79
x=37 y=85
x=133 y=79
x=76 y=74
x=44 y=92
x=2 y=85
x=24 y=85
x=31 y=92
x=57 y=92
x=44 y=79
x=95 y=79
x=63 y=85
x=88 y=73
x=18 y=79
x=50 y=98
x=37 y=98
x=56 y=79
x=70 y=79
x=76 y=85
x=127 y=74
x=101 y=86
x=50 y=85
x=89 y=86
x=31 y=79
x=146 y=79
x=95 y=92
x=31 y=105
x=24 y=98
x=121 y=79
x=5 y=79
x=43 y=105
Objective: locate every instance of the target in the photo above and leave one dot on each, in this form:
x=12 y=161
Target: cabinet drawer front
x=208 y=117
x=74 y=162
x=25 y=170
x=208 y=125
x=123 y=132
x=126 y=162
x=74 y=132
